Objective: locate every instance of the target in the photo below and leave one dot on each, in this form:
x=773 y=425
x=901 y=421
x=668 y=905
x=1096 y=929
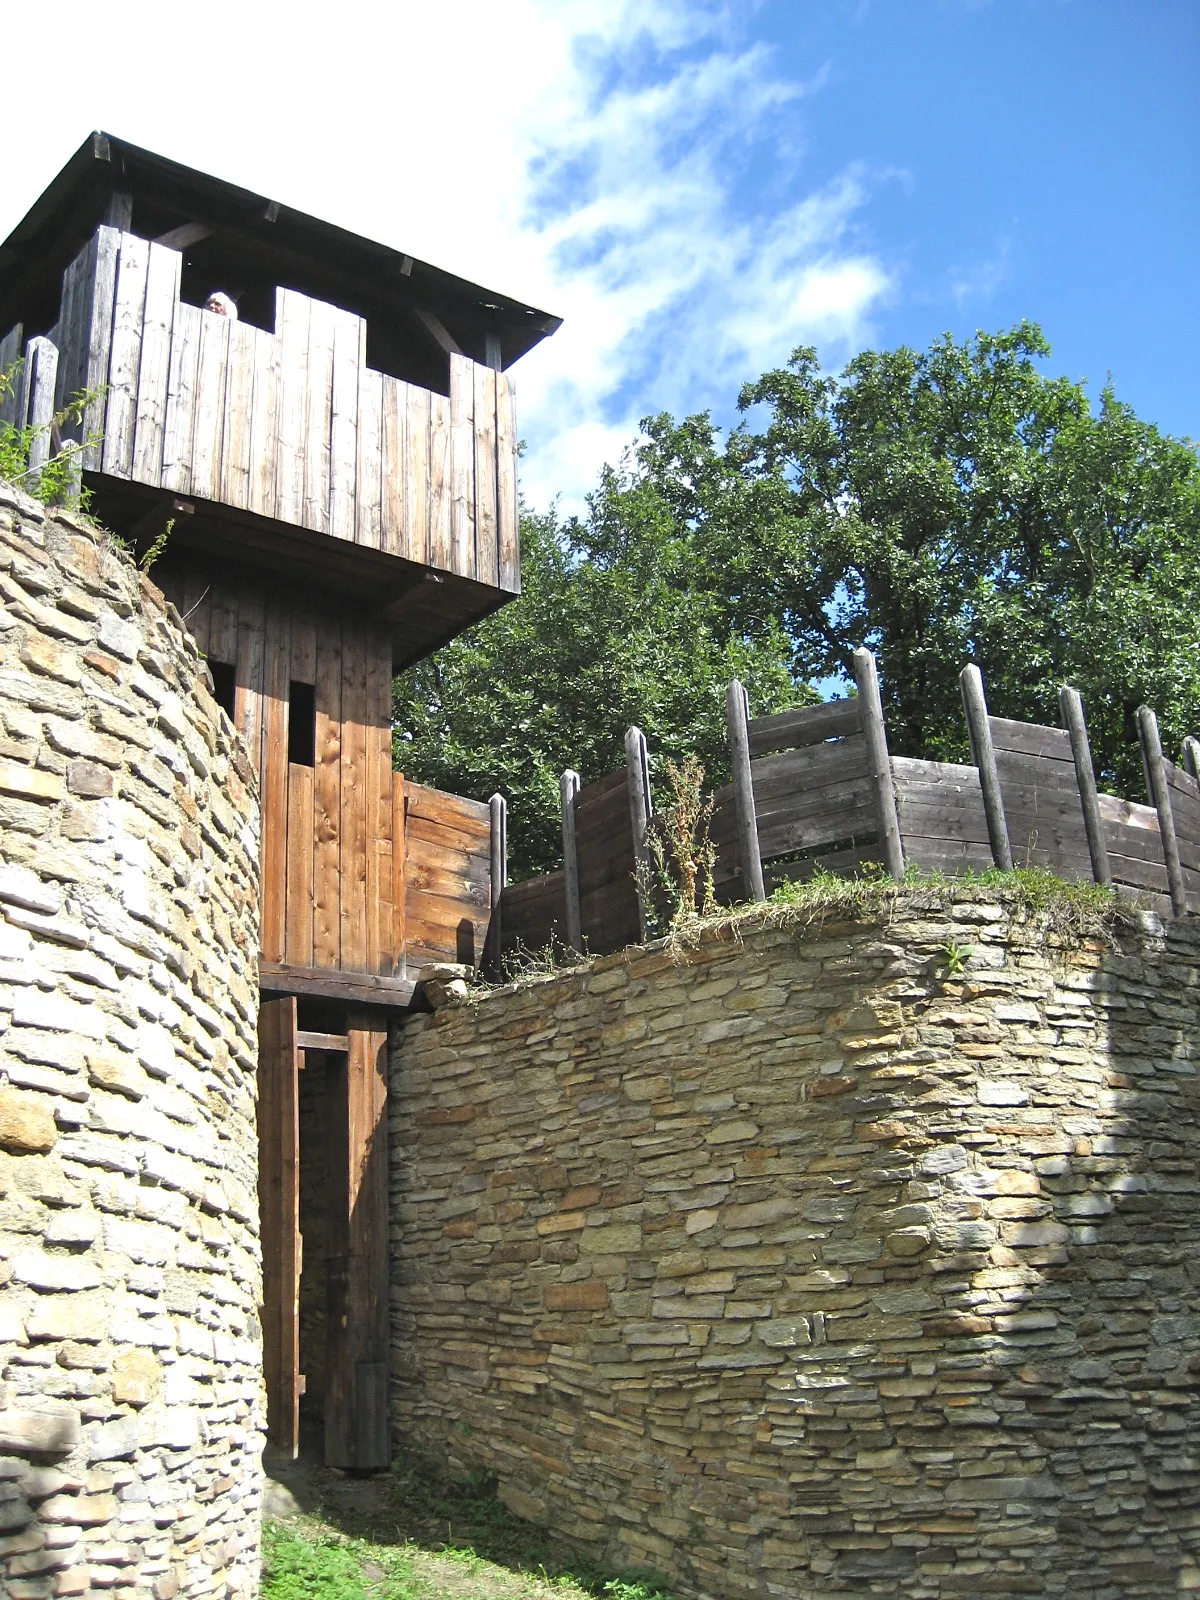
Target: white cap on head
x=222 y=304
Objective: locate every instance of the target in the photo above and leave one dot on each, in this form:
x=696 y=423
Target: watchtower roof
x=249 y=244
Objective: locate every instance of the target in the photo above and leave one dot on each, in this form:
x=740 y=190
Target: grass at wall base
x=420 y=1534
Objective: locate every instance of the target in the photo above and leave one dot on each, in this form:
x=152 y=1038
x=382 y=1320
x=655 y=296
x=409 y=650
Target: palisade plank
x=264 y=424
x=487 y=554
x=462 y=466
x=209 y=430
x=274 y=785
x=179 y=422
x=323 y=320
x=99 y=347
x=298 y=926
x=354 y=801
x=393 y=429
x=508 y=534
x=125 y=356
x=158 y=321
x=327 y=795
x=251 y=661
x=441 y=487
x=292 y=329
x=349 y=337
x=370 y=458
x=238 y=421
x=414 y=542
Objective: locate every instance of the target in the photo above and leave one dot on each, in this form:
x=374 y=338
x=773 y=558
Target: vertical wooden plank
x=508 y=534
x=40 y=375
x=1070 y=704
x=356 y=1416
x=239 y=405
x=440 y=484
x=1160 y=799
x=154 y=370
x=211 y=379
x=327 y=796
x=414 y=542
x=196 y=607
x=125 y=358
x=487 y=549
x=74 y=311
x=251 y=660
x=395 y=460
x=370 y=457
x=984 y=756
x=568 y=789
x=737 y=731
x=264 y=424
x=99 y=348
x=319 y=423
x=223 y=631
x=279 y=1212
x=399 y=874
x=291 y=323
x=354 y=801
x=298 y=923
x=10 y=354
x=867 y=679
x=179 y=424
x=349 y=337
x=462 y=466
x=273 y=788
x=381 y=955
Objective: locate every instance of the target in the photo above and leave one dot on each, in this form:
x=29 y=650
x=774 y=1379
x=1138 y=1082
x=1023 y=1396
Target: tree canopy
x=943 y=506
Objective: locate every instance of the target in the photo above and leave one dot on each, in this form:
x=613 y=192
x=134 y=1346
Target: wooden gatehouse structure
x=333 y=470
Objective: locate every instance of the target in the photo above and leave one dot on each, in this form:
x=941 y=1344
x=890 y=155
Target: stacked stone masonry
x=130 y=1396
x=857 y=1260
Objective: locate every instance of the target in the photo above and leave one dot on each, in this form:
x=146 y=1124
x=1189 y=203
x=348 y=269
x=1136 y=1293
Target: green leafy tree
x=940 y=506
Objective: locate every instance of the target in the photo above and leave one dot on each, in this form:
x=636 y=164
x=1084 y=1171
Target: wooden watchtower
x=337 y=464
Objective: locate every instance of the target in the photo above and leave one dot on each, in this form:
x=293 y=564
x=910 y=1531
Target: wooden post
x=867 y=679
x=737 y=720
x=279 y=1213
x=569 y=788
x=1070 y=705
x=1160 y=799
x=498 y=810
x=1191 y=757
x=970 y=681
x=641 y=809
x=356 y=1322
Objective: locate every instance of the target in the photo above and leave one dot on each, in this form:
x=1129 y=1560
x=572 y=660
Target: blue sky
x=699 y=185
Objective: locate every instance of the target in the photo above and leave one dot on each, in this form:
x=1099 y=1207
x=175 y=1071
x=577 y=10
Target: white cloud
x=595 y=157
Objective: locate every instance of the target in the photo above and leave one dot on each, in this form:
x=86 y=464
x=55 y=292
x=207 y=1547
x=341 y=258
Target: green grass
x=422 y=1534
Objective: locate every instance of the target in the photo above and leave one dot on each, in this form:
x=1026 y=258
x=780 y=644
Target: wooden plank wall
x=328 y=898
x=942 y=823
x=290 y=424
x=447 y=875
x=533 y=915
x=813 y=797
x=1185 y=809
x=1040 y=791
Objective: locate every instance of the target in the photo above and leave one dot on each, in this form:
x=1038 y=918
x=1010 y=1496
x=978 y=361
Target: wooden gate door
x=279 y=1213
x=356 y=1399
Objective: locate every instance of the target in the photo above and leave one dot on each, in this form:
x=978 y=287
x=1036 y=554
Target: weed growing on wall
x=683 y=854
x=57 y=481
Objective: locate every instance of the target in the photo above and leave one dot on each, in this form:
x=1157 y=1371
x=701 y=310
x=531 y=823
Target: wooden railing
x=290 y=424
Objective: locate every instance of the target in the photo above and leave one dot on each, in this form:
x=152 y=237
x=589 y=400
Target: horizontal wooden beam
x=337 y=1042
x=355 y=988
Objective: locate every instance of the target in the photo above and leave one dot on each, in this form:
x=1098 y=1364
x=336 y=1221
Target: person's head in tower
x=222 y=304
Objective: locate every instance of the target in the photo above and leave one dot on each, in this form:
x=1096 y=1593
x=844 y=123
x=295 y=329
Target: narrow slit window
x=302 y=724
x=224 y=677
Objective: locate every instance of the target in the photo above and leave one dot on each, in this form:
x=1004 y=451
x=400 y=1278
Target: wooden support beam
x=569 y=786
x=983 y=753
x=187 y=233
x=1070 y=704
x=152 y=523
x=339 y=1043
x=1160 y=799
x=442 y=336
x=425 y=588
x=279 y=1213
x=353 y=988
x=875 y=731
x=737 y=721
x=641 y=809
x=356 y=1387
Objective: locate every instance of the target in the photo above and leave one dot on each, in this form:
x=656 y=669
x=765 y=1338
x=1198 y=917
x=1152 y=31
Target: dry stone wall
x=807 y=1264
x=130 y=1395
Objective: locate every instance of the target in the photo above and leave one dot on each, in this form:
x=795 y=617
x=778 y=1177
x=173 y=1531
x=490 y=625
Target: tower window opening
x=302 y=724
x=224 y=677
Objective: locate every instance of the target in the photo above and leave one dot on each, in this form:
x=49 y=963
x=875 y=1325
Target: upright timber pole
x=1160 y=799
x=867 y=679
x=970 y=681
x=1070 y=705
x=737 y=724
x=568 y=789
x=498 y=862
x=641 y=809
